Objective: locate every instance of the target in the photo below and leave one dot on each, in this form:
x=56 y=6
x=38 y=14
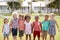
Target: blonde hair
x=14 y=13
x=52 y=14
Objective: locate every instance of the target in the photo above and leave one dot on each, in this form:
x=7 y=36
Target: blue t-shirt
x=45 y=25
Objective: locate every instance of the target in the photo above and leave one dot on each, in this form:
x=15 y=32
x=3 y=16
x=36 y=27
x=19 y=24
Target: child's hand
x=58 y=30
x=41 y=34
x=31 y=31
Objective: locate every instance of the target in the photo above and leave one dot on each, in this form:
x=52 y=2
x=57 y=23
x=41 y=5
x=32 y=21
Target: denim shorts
x=5 y=35
x=14 y=32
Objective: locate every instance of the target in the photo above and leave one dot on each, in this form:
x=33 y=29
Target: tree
x=55 y=4
x=13 y=5
x=37 y=0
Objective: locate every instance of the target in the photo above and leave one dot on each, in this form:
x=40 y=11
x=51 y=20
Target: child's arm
x=18 y=25
x=32 y=26
x=41 y=27
x=10 y=29
x=57 y=25
x=2 y=28
x=11 y=25
x=24 y=25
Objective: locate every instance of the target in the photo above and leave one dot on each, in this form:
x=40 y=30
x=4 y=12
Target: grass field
x=57 y=37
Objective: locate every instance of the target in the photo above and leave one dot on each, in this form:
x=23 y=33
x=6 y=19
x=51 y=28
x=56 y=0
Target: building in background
x=4 y=8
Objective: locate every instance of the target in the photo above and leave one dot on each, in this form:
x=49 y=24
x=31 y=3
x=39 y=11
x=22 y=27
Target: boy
x=45 y=27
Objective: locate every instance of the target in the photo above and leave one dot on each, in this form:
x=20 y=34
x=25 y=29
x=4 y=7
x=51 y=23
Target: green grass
x=57 y=37
x=6 y=14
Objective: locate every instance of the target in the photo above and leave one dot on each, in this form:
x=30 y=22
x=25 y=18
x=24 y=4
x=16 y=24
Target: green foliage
x=37 y=0
x=14 y=5
x=54 y=4
x=39 y=11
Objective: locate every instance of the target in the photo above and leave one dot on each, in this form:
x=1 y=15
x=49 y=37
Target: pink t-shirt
x=37 y=26
x=21 y=24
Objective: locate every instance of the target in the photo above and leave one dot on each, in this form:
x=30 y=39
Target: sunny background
x=34 y=7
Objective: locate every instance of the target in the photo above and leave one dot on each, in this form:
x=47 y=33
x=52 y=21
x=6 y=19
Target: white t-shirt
x=6 y=29
x=27 y=27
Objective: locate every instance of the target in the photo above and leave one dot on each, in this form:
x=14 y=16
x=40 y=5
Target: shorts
x=14 y=32
x=36 y=33
x=44 y=33
x=21 y=33
x=5 y=35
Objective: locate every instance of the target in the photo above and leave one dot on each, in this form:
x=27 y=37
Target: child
x=21 y=26
x=52 y=28
x=6 y=29
x=14 y=26
x=28 y=27
x=45 y=26
x=37 y=27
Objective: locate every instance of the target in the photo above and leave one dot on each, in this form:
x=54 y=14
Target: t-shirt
x=6 y=29
x=14 y=23
x=21 y=24
x=45 y=25
x=37 y=26
x=28 y=26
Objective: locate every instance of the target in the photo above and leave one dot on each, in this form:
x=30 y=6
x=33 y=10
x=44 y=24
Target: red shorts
x=36 y=33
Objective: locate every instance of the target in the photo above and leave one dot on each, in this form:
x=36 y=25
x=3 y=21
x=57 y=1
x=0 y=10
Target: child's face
x=6 y=21
x=36 y=18
x=14 y=16
x=46 y=17
x=21 y=17
x=28 y=19
x=52 y=16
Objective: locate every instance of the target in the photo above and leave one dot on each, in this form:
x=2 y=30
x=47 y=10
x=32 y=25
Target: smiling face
x=52 y=16
x=5 y=20
x=20 y=17
x=46 y=17
x=36 y=18
x=27 y=18
x=14 y=16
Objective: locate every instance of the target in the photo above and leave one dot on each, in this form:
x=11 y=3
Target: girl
x=52 y=28
x=37 y=27
x=28 y=27
x=21 y=26
x=6 y=29
x=14 y=26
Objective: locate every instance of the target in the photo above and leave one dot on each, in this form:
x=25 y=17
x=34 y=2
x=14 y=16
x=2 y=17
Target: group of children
x=24 y=25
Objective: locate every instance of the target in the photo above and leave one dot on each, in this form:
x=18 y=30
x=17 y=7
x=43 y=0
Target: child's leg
x=45 y=38
x=34 y=35
x=20 y=34
x=44 y=35
x=34 y=38
x=38 y=38
x=38 y=34
x=14 y=38
x=26 y=37
x=4 y=38
x=7 y=38
x=51 y=37
x=29 y=37
x=20 y=38
x=42 y=38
